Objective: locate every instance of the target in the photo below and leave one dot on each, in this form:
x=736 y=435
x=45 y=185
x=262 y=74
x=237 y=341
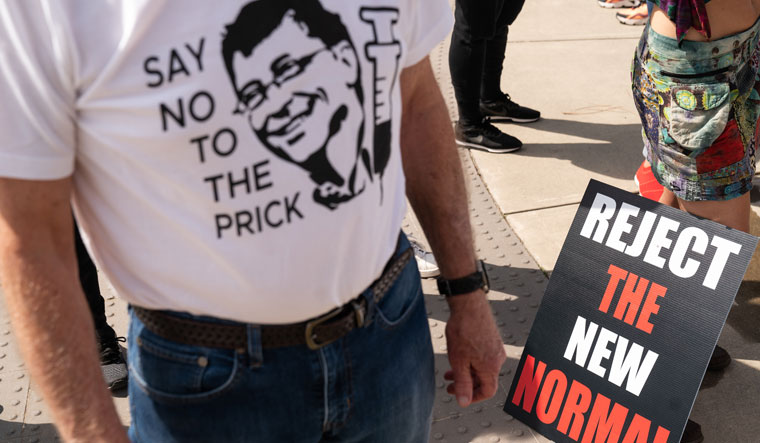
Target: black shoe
x=112 y=364
x=692 y=433
x=486 y=137
x=504 y=109
x=719 y=360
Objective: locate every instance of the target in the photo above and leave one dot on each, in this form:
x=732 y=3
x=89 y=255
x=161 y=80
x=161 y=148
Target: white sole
x=628 y=22
x=618 y=5
x=483 y=148
x=430 y=274
x=636 y=180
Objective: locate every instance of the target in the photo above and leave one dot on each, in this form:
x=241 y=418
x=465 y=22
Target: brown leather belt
x=314 y=333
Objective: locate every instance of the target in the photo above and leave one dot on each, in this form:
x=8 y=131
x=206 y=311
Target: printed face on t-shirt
x=296 y=75
x=289 y=89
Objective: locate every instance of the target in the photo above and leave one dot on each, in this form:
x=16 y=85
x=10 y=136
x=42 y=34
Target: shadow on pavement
x=11 y=431
x=515 y=314
x=120 y=393
x=745 y=315
x=620 y=144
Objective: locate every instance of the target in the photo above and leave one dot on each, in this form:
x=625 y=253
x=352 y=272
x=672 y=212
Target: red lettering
x=630 y=298
x=550 y=399
x=576 y=405
x=527 y=385
x=604 y=423
x=638 y=431
x=616 y=274
x=662 y=435
x=650 y=307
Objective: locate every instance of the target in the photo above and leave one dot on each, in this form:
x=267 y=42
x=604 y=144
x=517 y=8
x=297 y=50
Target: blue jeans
x=376 y=384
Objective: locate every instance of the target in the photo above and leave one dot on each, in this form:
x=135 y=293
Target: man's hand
x=476 y=352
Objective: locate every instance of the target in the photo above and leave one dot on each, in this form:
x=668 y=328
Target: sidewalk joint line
x=577 y=39
x=523 y=211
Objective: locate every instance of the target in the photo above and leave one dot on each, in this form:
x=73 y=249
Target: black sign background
x=686 y=328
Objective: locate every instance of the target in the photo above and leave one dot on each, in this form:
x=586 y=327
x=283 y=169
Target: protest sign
x=629 y=320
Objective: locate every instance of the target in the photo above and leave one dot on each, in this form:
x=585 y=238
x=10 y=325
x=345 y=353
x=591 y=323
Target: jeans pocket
x=698 y=113
x=401 y=298
x=172 y=372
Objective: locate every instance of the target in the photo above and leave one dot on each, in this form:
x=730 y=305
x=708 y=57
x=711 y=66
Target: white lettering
x=654 y=240
x=601 y=352
x=581 y=341
x=599 y=214
x=660 y=241
x=724 y=249
x=621 y=226
x=637 y=247
x=676 y=262
x=629 y=364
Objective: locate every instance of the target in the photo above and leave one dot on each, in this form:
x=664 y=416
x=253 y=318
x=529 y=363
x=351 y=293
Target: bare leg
x=669 y=199
x=733 y=213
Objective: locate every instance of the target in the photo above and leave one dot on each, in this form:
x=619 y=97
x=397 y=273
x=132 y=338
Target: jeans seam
x=133 y=423
x=325 y=388
x=335 y=426
x=156 y=350
x=350 y=384
x=390 y=325
x=197 y=382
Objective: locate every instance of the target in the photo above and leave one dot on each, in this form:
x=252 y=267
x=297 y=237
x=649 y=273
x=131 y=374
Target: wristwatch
x=465 y=285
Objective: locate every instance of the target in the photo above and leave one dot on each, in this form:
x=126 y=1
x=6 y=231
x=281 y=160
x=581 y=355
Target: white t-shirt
x=238 y=158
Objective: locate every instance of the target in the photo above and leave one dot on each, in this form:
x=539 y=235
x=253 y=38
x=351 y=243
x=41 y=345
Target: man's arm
x=49 y=311
x=436 y=189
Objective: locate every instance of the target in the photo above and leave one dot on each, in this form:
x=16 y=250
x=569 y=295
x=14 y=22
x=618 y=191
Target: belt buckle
x=312 y=344
x=360 y=311
x=310 y=336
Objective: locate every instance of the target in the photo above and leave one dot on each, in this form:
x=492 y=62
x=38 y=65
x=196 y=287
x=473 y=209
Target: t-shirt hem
x=424 y=46
x=25 y=168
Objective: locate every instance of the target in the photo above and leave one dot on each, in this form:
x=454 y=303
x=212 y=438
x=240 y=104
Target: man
x=476 y=59
x=249 y=317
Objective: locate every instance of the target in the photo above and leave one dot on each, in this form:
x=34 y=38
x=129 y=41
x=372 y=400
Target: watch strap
x=465 y=285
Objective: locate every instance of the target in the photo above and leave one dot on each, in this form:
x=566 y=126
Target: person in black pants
x=476 y=57
x=111 y=360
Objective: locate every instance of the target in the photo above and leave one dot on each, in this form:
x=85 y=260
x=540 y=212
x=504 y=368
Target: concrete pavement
x=571 y=61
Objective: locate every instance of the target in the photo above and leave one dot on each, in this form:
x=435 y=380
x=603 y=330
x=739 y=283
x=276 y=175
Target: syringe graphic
x=384 y=52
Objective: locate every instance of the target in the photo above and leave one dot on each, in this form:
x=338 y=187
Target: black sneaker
x=112 y=364
x=486 y=137
x=692 y=433
x=504 y=109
